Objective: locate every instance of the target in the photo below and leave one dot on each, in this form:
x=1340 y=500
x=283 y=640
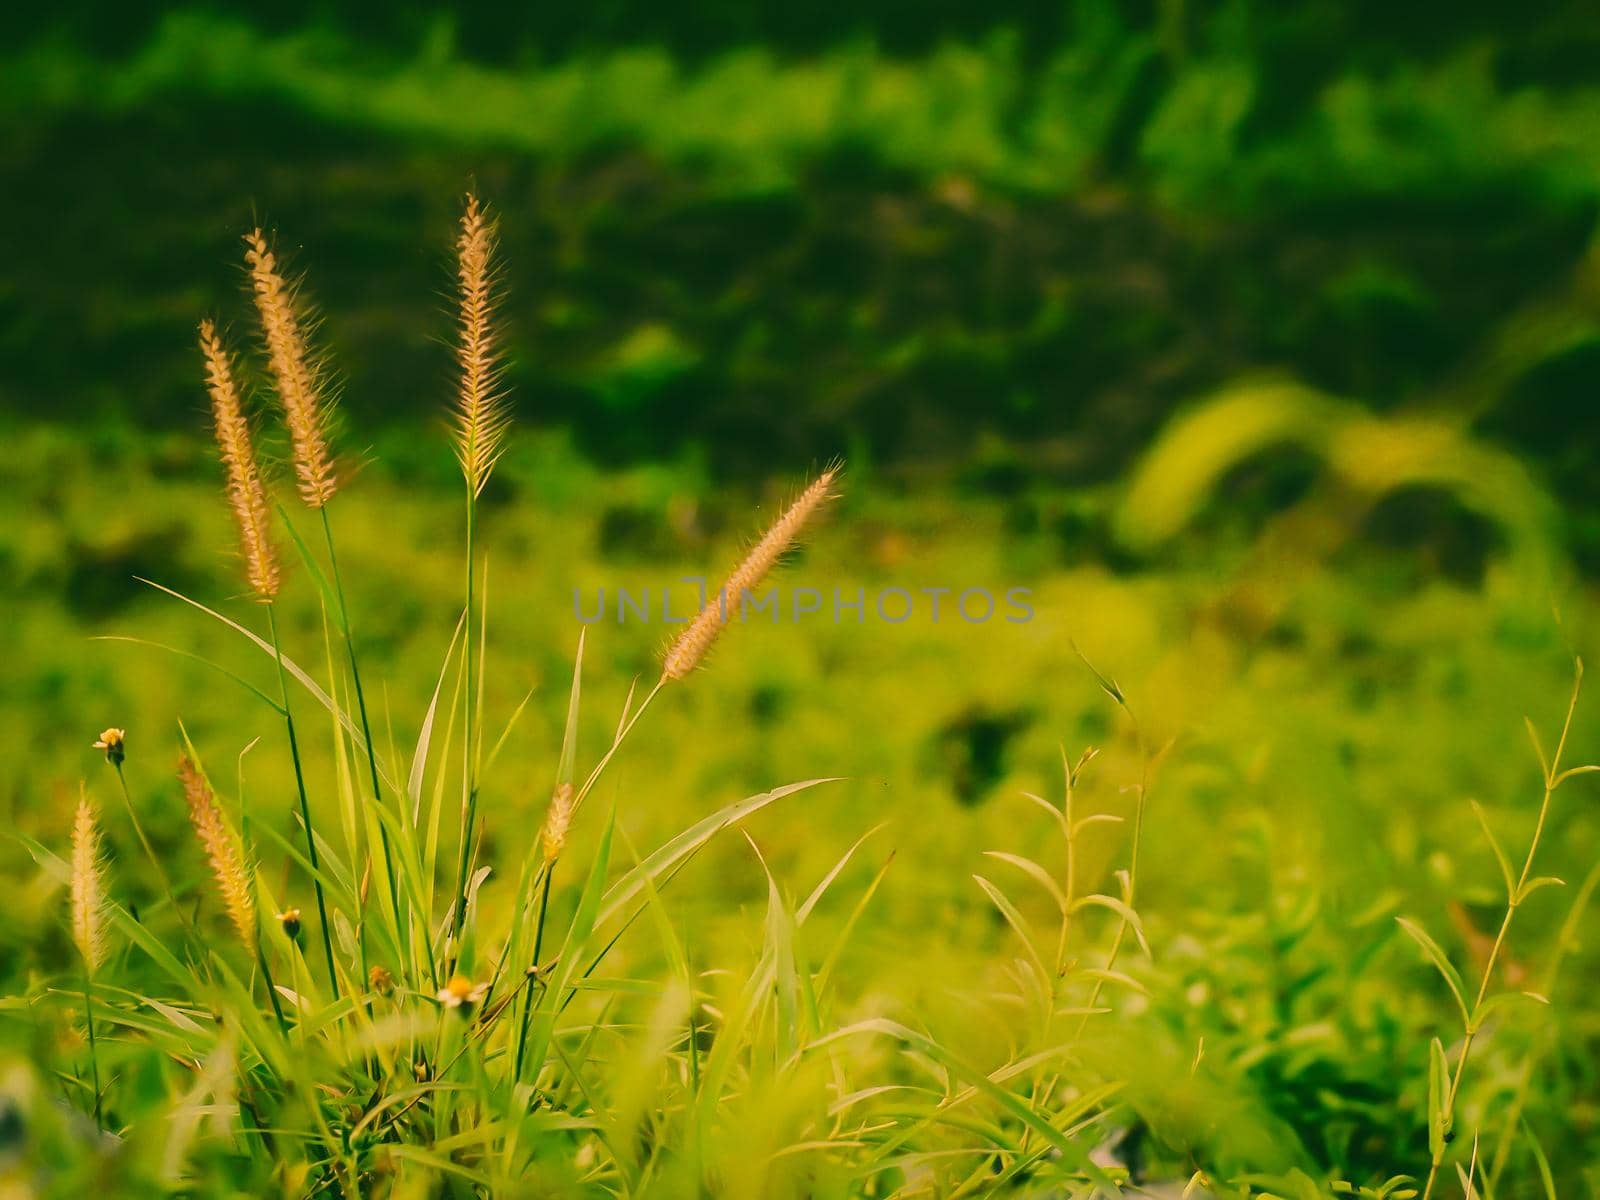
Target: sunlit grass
x=500 y=920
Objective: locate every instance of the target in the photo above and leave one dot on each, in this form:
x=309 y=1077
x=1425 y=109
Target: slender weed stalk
x=680 y=659
x=88 y=900
x=1567 y=940
x=1054 y=979
x=479 y=423
x=1445 y=1085
x=1126 y=911
x=300 y=385
x=248 y=500
x=115 y=744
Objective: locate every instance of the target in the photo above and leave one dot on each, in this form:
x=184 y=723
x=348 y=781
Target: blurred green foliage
x=1259 y=340
x=1055 y=231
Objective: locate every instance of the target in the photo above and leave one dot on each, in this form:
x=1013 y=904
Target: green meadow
x=1256 y=860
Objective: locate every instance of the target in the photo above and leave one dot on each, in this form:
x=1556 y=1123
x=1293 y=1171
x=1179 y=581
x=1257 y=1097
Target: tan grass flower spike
x=295 y=376
x=222 y=851
x=481 y=417
x=88 y=893
x=691 y=645
x=557 y=821
x=246 y=495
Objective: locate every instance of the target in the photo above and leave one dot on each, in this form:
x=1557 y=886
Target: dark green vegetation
x=997 y=270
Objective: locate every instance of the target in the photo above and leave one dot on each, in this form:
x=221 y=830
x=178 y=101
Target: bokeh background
x=1261 y=341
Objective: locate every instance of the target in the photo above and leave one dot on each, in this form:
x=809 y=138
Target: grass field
x=1252 y=366
x=1329 y=726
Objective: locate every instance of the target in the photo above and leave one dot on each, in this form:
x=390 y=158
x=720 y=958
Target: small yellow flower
x=112 y=741
x=462 y=994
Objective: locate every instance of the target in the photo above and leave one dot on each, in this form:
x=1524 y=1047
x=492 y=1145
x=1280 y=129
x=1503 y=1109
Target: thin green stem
x=361 y=708
x=155 y=860
x=1565 y=941
x=1552 y=772
x=1071 y=881
x=625 y=728
x=469 y=807
x=538 y=947
x=305 y=804
x=594 y=775
x=1133 y=873
x=94 y=1053
x=272 y=989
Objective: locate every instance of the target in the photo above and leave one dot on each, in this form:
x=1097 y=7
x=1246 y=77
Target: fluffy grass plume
x=88 y=890
x=557 y=821
x=691 y=645
x=481 y=418
x=222 y=850
x=246 y=496
x=294 y=375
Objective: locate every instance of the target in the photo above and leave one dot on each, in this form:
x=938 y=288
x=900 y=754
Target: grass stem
x=94 y=1051
x=361 y=709
x=1514 y=898
x=469 y=806
x=305 y=804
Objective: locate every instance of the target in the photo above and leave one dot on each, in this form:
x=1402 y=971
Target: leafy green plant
x=1444 y=1081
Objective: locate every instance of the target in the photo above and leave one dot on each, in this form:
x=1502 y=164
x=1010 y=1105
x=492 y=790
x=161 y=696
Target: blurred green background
x=1261 y=341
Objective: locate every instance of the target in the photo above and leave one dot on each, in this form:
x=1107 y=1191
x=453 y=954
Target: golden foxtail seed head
x=296 y=378
x=557 y=821
x=246 y=495
x=692 y=644
x=481 y=416
x=221 y=849
x=88 y=897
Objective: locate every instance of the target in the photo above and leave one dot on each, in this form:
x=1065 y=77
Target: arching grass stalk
x=686 y=652
x=1517 y=892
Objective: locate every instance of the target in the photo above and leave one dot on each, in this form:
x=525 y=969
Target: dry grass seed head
x=481 y=416
x=246 y=495
x=295 y=376
x=557 y=821
x=221 y=849
x=691 y=645
x=88 y=894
